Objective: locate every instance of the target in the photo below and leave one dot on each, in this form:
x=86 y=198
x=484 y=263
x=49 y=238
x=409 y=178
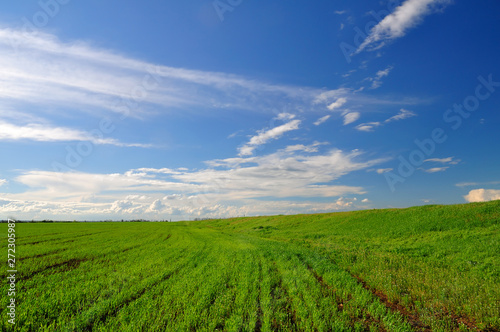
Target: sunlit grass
x=432 y=267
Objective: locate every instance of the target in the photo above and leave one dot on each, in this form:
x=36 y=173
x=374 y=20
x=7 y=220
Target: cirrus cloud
x=395 y=25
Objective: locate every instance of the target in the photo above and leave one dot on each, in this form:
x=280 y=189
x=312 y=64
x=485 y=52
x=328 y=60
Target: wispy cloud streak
x=395 y=25
x=44 y=133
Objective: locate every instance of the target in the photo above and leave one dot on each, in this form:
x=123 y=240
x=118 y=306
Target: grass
x=431 y=268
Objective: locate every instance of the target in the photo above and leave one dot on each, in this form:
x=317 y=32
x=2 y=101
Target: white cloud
x=435 y=169
x=337 y=104
x=439 y=160
x=351 y=117
x=122 y=206
x=344 y=203
x=327 y=96
x=233 y=135
x=396 y=24
x=376 y=84
x=445 y=161
x=383 y=170
x=281 y=175
x=366 y=200
x=340 y=12
x=301 y=147
x=153 y=193
x=46 y=133
x=285 y=116
x=265 y=136
x=36 y=67
x=482 y=195
x=383 y=73
x=349 y=73
x=156 y=206
x=322 y=120
x=449 y=160
x=403 y=114
x=370 y=126
x=2 y=182
x=377 y=80
x=173 y=197
x=469 y=184
x=43 y=77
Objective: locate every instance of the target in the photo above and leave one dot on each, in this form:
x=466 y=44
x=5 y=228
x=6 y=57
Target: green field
x=431 y=268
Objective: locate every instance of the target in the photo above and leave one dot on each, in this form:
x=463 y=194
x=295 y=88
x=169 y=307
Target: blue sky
x=181 y=110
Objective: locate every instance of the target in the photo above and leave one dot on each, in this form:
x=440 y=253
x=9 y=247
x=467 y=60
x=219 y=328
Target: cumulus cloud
x=2 y=182
x=395 y=25
x=345 y=202
x=156 y=206
x=122 y=206
x=281 y=175
x=482 y=195
x=298 y=171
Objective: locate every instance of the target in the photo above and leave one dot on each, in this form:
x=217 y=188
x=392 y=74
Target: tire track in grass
x=327 y=288
x=42 y=255
x=329 y=291
x=103 y=316
x=306 y=306
x=411 y=318
x=60 y=240
x=168 y=313
x=258 y=322
x=68 y=265
x=467 y=321
x=107 y=311
x=279 y=293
